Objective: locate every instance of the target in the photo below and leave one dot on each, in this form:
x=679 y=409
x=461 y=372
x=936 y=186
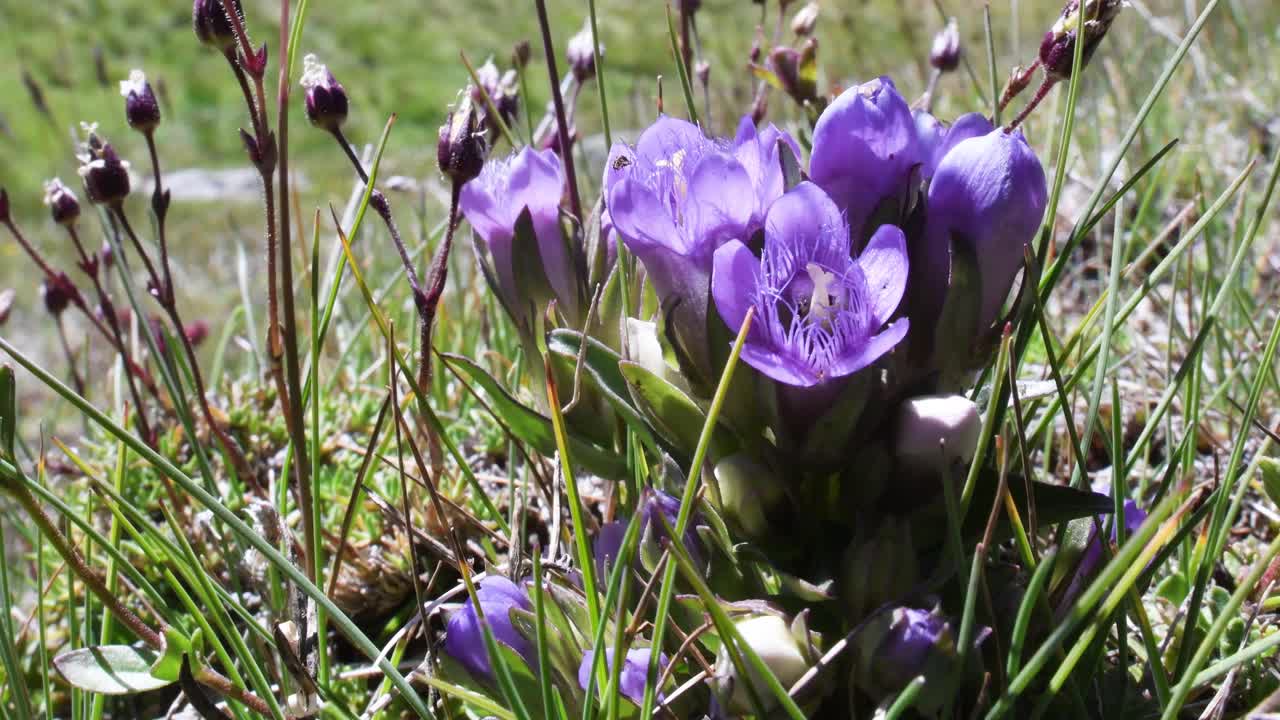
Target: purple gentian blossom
x=532 y=181
x=1091 y=561
x=633 y=674
x=760 y=153
x=865 y=147
x=988 y=192
x=674 y=197
x=655 y=507
x=820 y=313
x=464 y=638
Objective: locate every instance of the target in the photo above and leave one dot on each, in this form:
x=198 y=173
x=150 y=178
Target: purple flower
x=631 y=677
x=531 y=181
x=864 y=149
x=63 y=204
x=989 y=193
x=1091 y=561
x=819 y=311
x=608 y=545
x=760 y=154
x=676 y=196
x=464 y=638
x=905 y=644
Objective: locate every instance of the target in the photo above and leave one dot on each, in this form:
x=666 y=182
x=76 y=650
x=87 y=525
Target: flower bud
x=63 y=205
x=702 y=70
x=197 y=332
x=140 y=106
x=748 y=490
x=582 y=54
x=1058 y=49
x=632 y=676
x=212 y=25
x=105 y=175
x=936 y=431
x=57 y=291
x=503 y=90
x=108 y=254
x=6 y=305
x=461 y=149
x=1091 y=559
x=880 y=569
x=901 y=645
x=779 y=650
x=464 y=637
x=326 y=99
x=805 y=18
x=945 y=53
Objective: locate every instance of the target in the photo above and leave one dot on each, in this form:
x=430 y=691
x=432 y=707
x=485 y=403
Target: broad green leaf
x=110 y=669
x=1054 y=504
x=674 y=415
x=600 y=370
x=1268 y=468
x=534 y=428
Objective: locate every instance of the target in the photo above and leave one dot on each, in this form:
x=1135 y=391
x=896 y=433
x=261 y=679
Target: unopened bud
x=105 y=175
x=212 y=25
x=461 y=148
x=803 y=21
x=780 y=651
x=581 y=53
x=63 y=205
x=936 y=431
x=108 y=254
x=57 y=291
x=900 y=645
x=945 y=53
x=326 y=99
x=140 y=106
x=879 y=569
x=748 y=491
x=197 y=332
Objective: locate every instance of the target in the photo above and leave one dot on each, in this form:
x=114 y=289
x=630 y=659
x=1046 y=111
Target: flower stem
x=571 y=176
x=430 y=299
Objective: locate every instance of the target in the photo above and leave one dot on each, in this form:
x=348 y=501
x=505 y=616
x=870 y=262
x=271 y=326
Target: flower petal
x=719 y=203
x=735 y=280
x=784 y=369
x=864 y=146
x=640 y=217
x=668 y=136
x=884 y=265
x=966 y=126
x=990 y=192
x=804 y=212
x=870 y=352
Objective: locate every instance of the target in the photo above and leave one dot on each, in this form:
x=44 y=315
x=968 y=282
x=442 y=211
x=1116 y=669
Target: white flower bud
x=936 y=431
x=771 y=639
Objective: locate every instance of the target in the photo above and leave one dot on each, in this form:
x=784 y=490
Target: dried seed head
x=140 y=106
x=105 y=175
x=57 y=291
x=945 y=53
x=803 y=22
x=581 y=54
x=62 y=202
x=212 y=24
x=326 y=99
x=1058 y=49
x=461 y=149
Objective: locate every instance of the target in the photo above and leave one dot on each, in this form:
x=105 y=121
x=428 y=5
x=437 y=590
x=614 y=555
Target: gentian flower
x=989 y=193
x=760 y=154
x=464 y=638
x=674 y=197
x=865 y=147
x=904 y=644
x=632 y=676
x=1091 y=560
x=819 y=312
x=528 y=181
x=653 y=506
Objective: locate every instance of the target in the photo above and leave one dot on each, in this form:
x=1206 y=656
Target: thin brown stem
x=76 y=562
x=430 y=299
x=76 y=380
x=575 y=201
x=1041 y=93
x=167 y=303
x=351 y=154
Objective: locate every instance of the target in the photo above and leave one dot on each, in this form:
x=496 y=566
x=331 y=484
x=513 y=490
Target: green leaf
x=1268 y=468
x=176 y=646
x=8 y=412
x=533 y=427
x=110 y=669
x=674 y=415
x=1054 y=504
x=600 y=371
